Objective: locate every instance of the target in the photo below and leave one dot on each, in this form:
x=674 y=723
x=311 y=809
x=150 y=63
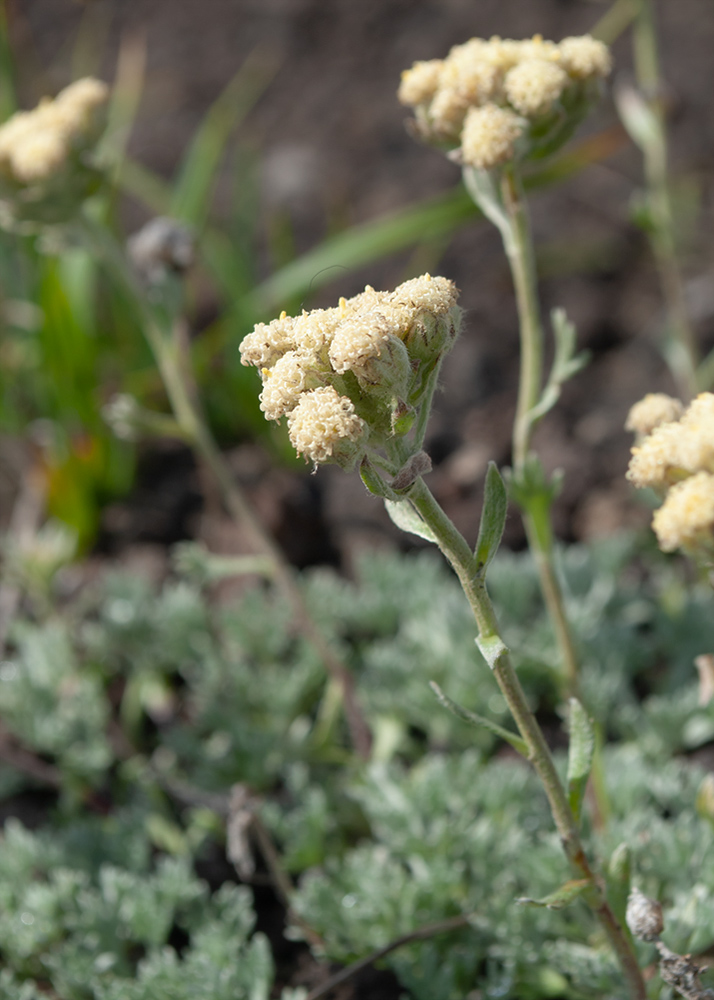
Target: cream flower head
x=355 y=374
x=324 y=423
x=528 y=78
x=678 y=456
x=34 y=145
x=686 y=518
x=534 y=85
x=656 y=408
x=489 y=136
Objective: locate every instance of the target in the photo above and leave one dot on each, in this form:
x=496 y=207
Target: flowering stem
x=683 y=355
x=457 y=551
x=164 y=338
x=518 y=244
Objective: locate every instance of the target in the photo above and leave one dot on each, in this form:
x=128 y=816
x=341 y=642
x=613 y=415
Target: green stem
x=165 y=341
x=683 y=355
x=518 y=244
x=519 y=250
x=456 y=550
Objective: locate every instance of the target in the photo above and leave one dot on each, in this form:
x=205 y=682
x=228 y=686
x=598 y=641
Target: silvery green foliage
x=100 y=923
x=55 y=702
x=462 y=835
x=438 y=826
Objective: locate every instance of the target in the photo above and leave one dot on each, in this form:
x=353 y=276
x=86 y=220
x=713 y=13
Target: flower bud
x=644 y=916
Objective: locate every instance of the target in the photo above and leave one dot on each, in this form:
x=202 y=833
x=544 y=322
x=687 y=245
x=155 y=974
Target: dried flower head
x=373 y=352
x=686 y=518
x=324 y=424
x=524 y=78
x=656 y=408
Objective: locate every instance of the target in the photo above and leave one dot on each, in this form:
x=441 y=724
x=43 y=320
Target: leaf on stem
x=479 y=720
x=493 y=518
x=566 y=363
x=580 y=755
x=406 y=517
x=562 y=897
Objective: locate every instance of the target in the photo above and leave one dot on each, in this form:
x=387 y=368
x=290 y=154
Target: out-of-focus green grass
x=70 y=338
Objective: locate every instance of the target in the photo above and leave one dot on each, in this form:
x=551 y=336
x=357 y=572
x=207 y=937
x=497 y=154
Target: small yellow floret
x=533 y=86
x=584 y=56
x=321 y=422
x=686 y=518
x=655 y=409
x=489 y=136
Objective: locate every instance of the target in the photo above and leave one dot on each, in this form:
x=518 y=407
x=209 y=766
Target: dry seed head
x=534 y=85
x=322 y=424
x=655 y=409
x=686 y=518
x=584 y=56
x=489 y=136
x=420 y=83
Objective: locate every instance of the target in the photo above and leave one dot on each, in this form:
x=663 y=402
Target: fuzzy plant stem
x=457 y=552
x=518 y=244
x=683 y=355
x=165 y=342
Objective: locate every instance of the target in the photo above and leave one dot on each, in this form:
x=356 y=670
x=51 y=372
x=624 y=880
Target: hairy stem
x=518 y=244
x=456 y=550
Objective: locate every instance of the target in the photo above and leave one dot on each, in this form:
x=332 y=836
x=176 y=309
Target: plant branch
x=456 y=550
x=422 y=933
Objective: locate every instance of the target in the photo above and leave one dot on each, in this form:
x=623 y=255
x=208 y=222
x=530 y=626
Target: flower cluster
x=490 y=96
x=676 y=459
x=356 y=373
x=50 y=143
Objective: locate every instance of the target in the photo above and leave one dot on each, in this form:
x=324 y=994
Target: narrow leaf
x=479 y=720
x=580 y=755
x=562 y=897
x=493 y=518
x=194 y=188
x=407 y=518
